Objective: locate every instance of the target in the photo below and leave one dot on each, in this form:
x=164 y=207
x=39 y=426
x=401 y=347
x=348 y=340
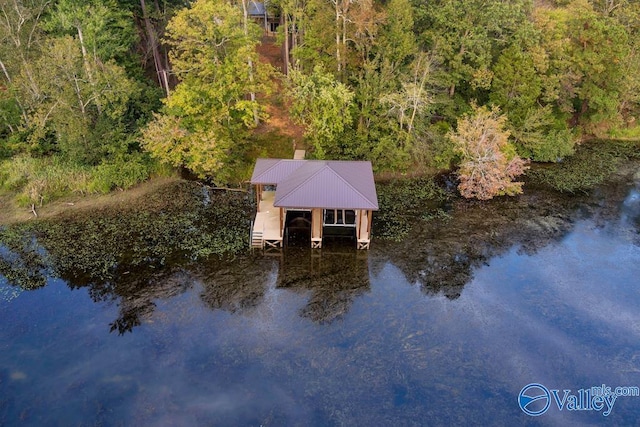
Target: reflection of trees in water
x=334 y=279
x=134 y=286
x=236 y=285
x=137 y=295
x=442 y=255
x=22 y=262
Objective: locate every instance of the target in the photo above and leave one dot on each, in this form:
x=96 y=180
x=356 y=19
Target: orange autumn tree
x=489 y=163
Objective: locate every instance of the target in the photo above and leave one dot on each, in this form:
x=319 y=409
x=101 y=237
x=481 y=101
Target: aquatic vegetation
x=405 y=202
x=172 y=224
x=22 y=262
x=591 y=165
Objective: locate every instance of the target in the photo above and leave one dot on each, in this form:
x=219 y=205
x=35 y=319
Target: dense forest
x=97 y=95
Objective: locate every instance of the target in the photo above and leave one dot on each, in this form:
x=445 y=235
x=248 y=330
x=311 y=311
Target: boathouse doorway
x=298 y=227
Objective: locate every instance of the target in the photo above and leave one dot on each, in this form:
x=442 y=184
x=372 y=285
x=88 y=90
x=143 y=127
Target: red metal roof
x=326 y=184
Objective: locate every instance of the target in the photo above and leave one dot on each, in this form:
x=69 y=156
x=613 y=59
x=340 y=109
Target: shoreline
x=577 y=170
x=12 y=214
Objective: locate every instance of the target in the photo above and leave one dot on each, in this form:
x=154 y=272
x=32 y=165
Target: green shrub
x=40 y=180
x=551 y=146
x=14 y=173
x=632 y=133
x=122 y=173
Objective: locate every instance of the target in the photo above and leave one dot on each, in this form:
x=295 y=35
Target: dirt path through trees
x=277 y=106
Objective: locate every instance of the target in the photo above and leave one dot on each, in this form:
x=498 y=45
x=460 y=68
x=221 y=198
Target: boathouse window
x=339 y=217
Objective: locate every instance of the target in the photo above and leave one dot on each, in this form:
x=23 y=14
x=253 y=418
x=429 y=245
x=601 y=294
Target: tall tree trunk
x=418 y=97
x=79 y=96
x=338 y=57
x=5 y=72
x=345 y=9
x=87 y=67
x=286 y=41
x=252 y=94
x=294 y=33
x=157 y=59
x=22 y=111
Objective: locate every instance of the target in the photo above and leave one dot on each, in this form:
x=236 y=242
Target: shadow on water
x=136 y=259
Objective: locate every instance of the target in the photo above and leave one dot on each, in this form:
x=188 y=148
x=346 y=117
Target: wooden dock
x=267 y=227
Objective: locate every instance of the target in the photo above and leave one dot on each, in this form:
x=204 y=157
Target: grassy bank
x=40 y=180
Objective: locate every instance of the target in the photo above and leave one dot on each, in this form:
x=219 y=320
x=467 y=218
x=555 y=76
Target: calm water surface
x=338 y=339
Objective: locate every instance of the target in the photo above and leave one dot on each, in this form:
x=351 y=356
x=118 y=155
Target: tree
x=465 y=35
x=396 y=41
x=539 y=132
x=20 y=35
x=585 y=51
x=203 y=150
x=489 y=163
x=207 y=115
x=103 y=29
x=59 y=65
x=541 y=135
x=323 y=105
x=153 y=44
x=74 y=103
x=627 y=13
x=413 y=100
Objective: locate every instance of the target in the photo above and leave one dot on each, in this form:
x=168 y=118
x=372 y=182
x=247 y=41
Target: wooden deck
x=266 y=227
x=363 y=232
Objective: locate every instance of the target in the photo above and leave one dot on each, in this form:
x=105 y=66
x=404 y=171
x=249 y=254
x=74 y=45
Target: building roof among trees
x=327 y=184
x=256 y=8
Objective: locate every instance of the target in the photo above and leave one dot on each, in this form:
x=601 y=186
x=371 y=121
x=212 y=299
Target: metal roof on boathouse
x=327 y=184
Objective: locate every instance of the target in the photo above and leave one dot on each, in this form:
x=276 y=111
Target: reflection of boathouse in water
x=319 y=197
x=329 y=281
x=333 y=280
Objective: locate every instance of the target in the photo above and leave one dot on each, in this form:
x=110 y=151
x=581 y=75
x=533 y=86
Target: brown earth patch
x=277 y=106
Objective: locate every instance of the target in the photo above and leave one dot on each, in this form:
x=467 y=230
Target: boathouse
x=327 y=194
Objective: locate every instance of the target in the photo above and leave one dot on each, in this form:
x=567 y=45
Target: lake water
x=400 y=335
